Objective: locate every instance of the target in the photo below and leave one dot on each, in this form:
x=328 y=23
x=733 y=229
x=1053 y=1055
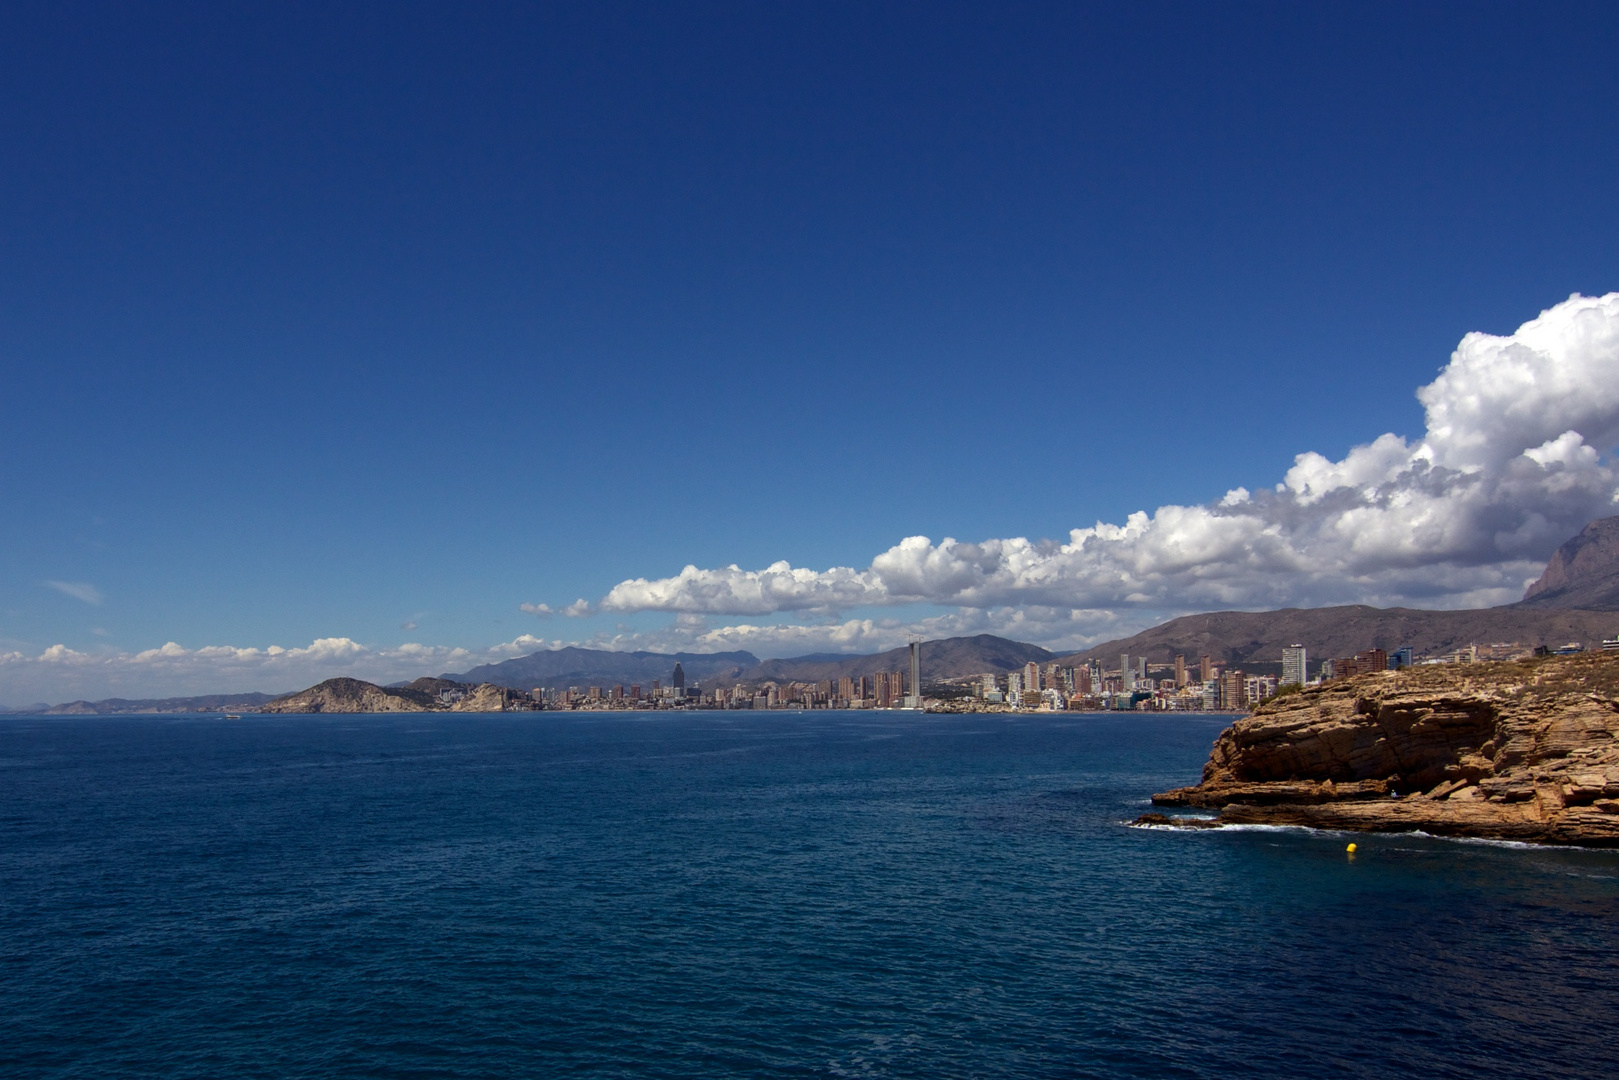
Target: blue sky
x=373 y=325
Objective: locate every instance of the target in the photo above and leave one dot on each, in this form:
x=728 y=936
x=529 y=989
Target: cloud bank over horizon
x=1516 y=457
x=60 y=674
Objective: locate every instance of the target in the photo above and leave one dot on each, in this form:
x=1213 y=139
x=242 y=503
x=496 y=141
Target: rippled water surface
x=748 y=894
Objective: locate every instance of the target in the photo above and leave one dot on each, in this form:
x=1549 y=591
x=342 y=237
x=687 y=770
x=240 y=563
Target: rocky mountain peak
x=1583 y=573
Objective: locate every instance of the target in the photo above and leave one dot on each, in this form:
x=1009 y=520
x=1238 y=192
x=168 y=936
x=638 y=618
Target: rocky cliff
x=1583 y=573
x=356 y=696
x=1519 y=751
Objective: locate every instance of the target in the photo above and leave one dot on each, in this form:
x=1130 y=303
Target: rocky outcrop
x=1583 y=573
x=356 y=696
x=351 y=696
x=487 y=697
x=1519 y=751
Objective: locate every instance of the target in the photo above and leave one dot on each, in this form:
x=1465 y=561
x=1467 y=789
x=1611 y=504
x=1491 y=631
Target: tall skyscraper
x=1127 y=672
x=1180 y=671
x=1206 y=668
x=1031 y=676
x=678 y=680
x=916 y=675
x=1295 y=664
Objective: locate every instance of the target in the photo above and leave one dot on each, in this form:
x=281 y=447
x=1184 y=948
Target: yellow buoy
x=1350 y=849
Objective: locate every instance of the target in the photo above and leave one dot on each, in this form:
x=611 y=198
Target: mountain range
x=574 y=666
x=948 y=658
x=1244 y=637
x=1575 y=599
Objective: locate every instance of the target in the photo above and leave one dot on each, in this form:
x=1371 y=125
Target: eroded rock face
x=356 y=696
x=349 y=696
x=1523 y=751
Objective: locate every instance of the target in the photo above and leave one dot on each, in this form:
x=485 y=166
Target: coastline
x=1522 y=751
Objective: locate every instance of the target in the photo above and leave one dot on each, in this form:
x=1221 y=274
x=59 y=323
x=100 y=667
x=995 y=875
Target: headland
x=1523 y=750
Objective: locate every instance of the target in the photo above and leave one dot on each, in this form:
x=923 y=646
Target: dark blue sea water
x=746 y=895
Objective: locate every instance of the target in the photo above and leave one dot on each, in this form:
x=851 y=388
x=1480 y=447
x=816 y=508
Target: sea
x=749 y=894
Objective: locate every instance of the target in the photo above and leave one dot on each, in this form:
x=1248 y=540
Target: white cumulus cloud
x=578 y=609
x=1515 y=458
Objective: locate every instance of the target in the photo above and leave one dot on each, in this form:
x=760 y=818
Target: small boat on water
x=233 y=716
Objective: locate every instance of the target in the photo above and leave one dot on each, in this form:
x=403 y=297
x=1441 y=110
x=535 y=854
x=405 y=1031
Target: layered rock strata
x=1515 y=751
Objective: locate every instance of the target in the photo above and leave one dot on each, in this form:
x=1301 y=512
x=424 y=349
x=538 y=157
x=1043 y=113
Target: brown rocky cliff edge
x=1520 y=751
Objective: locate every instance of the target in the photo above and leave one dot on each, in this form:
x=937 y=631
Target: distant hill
x=1237 y=637
x=560 y=668
x=113 y=706
x=358 y=696
x=1583 y=573
x=946 y=658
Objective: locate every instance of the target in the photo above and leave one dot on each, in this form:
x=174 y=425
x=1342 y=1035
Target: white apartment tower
x=1294 y=664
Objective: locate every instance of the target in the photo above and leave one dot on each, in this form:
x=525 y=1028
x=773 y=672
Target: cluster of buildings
x=1204 y=686
x=1048 y=687
x=1134 y=685
x=879 y=690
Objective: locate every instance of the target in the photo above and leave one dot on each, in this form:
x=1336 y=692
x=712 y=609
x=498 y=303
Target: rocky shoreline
x=1525 y=751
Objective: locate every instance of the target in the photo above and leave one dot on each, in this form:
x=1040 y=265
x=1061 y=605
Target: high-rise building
x=1180 y=671
x=1127 y=672
x=915 y=701
x=678 y=680
x=1031 y=676
x=1232 y=690
x=1295 y=664
x=1206 y=668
